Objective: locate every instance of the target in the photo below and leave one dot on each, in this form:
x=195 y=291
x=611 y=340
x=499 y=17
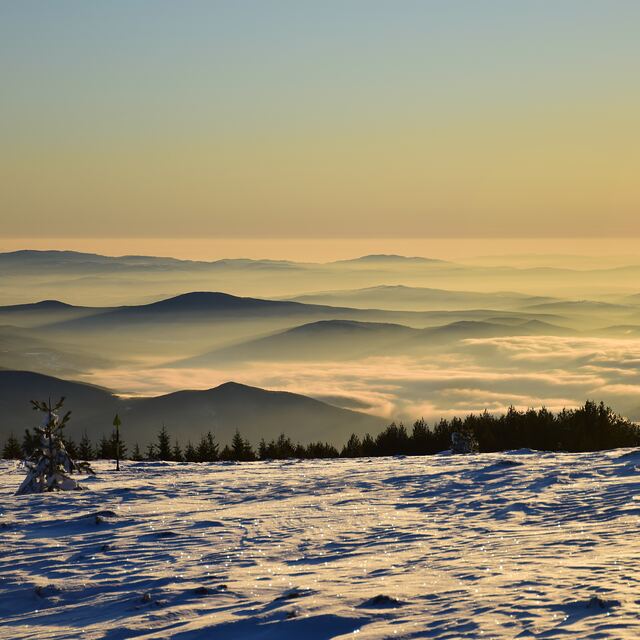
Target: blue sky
x=356 y=115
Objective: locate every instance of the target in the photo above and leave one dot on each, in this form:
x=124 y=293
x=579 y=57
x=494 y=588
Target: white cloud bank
x=477 y=374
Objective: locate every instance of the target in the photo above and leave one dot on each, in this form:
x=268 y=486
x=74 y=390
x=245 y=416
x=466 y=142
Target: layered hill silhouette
x=33 y=258
x=215 y=305
x=196 y=306
x=321 y=340
x=42 y=313
x=206 y=328
x=375 y=259
x=98 y=279
x=256 y=412
x=582 y=306
x=399 y=297
x=26 y=349
x=348 y=339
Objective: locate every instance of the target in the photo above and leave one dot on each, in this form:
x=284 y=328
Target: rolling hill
x=349 y=340
x=186 y=414
x=402 y=297
x=213 y=306
x=388 y=259
x=197 y=306
x=321 y=340
x=44 y=312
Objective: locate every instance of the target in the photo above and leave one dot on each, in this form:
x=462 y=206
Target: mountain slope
x=28 y=349
x=402 y=297
x=321 y=340
x=44 y=312
x=199 y=306
x=382 y=259
x=350 y=340
x=206 y=306
x=256 y=412
x=187 y=414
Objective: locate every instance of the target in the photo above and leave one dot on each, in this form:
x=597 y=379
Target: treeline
x=592 y=427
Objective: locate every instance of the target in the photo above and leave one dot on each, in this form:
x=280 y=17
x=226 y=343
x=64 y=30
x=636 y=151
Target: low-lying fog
x=391 y=336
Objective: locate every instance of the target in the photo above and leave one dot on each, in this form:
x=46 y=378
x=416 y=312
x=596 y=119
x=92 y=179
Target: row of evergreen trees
x=592 y=427
x=82 y=450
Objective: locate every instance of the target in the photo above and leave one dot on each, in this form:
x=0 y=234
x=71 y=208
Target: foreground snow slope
x=497 y=546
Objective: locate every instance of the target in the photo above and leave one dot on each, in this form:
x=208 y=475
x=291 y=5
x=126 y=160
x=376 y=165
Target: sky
x=298 y=119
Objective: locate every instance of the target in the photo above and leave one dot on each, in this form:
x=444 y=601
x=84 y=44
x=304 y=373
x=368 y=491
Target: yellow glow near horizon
x=595 y=252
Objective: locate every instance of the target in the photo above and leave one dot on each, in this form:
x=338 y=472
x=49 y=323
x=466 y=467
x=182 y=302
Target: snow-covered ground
x=487 y=546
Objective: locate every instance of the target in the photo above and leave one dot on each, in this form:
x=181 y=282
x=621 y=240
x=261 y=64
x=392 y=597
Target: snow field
x=522 y=544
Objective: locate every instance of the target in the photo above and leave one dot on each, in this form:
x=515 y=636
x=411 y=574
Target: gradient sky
x=358 y=118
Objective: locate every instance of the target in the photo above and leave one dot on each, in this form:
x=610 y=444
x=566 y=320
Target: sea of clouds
x=473 y=375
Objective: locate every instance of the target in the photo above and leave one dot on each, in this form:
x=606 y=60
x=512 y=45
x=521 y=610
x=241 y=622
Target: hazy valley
x=374 y=339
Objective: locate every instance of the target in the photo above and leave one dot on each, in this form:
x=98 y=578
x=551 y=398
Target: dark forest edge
x=591 y=427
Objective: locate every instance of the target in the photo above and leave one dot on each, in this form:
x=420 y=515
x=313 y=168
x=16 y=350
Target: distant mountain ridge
x=385 y=258
x=403 y=297
x=348 y=340
x=198 y=306
x=211 y=305
x=256 y=412
x=37 y=306
x=62 y=258
x=216 y=300
x=322 y=340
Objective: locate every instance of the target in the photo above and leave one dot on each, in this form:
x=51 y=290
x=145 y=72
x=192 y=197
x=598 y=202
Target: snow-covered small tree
x=49 y=466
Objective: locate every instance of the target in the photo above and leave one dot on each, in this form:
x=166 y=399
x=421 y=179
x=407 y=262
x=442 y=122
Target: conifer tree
x=164 y=444
x=212 y=447
x=249 y=453
x=320 y=450
x=104 y=448
x=136 y=456
x=285 y=447
x=12 y=449
x=85 y=449
x=190 y=453
x=30 y=442
x=420 y=438
x=49 y=467
x=368 y=445
x=207 y=449
x=393 y=440
x=151 y=452
x=176 y=452
x=241 y=448
x=353 y=448
x=71 y=447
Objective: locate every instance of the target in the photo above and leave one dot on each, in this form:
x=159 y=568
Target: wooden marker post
x=116 y=424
